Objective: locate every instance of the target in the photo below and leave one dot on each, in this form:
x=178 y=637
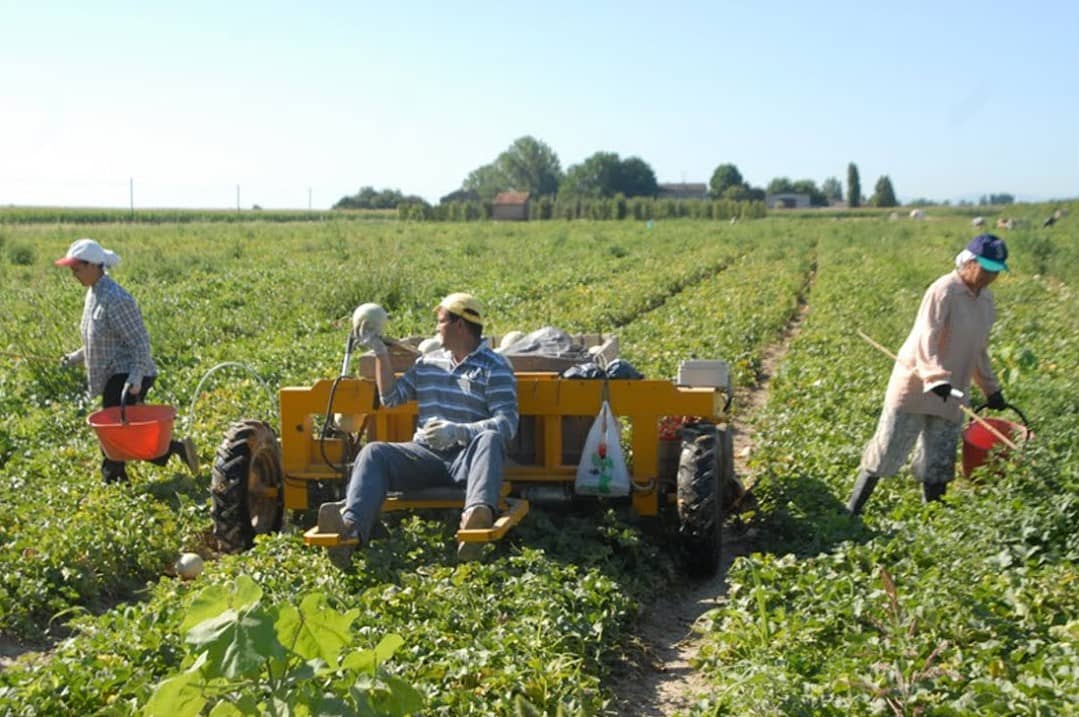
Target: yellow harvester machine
x=261 y=479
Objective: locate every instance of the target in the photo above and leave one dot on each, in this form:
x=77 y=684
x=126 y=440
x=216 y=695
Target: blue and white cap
x=990 y=251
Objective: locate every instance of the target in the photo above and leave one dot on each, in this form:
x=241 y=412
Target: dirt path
x=10 y=650
x=656 y=678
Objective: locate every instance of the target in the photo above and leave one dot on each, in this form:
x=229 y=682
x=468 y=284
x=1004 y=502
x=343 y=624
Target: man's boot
x=933 y=491
x=863 y=487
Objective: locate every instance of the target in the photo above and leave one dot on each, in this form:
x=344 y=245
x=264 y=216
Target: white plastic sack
x=602 y=470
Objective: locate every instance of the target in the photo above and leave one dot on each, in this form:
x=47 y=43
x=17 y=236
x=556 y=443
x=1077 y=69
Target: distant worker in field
x=115 y=346
x=946 y=349
x=467 y=400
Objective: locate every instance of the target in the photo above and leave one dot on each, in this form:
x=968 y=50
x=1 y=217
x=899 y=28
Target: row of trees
x=530 y=165
x=727 y=183
x=883 y=192
x=369 y=198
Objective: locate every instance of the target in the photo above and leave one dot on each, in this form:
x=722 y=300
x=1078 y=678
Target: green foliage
x=595 y=177
x=883 y=194
x=744 y=193
x=980 y=618
x=370 y=198
x=964 y=607
x=783 y=185
x=605 y=174
x=528 y=165
x=600 y=209
x=636 y=179
x=816 y=196
x=246 y=657
x=724 y=177
x=780 y=185
x=832 y=189
x=486 y=181
x=20 y=254
x=854 y=187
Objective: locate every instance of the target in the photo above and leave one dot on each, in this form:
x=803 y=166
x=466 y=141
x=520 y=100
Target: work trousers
x=934 y=440
x=384 y=467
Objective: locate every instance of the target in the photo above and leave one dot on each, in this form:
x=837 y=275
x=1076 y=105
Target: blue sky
x=949 y=99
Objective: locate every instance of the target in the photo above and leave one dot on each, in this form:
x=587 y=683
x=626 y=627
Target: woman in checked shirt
x=115 y=346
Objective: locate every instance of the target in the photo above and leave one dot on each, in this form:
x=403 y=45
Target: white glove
x=441 y=435
x=371 y=339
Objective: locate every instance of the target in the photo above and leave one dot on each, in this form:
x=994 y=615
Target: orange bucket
x=978 y=441
x=133 y=433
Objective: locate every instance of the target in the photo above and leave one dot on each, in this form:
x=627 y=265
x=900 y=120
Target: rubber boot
x=113 y=471
x=933 y=491
x=863 y=488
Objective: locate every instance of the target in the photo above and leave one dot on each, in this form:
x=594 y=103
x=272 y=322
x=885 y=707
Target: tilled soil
x=655 y=678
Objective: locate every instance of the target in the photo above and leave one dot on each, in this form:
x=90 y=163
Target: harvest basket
x=979 y=441
x=133 y=433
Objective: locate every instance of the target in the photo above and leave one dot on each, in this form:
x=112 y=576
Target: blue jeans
x=384 y=467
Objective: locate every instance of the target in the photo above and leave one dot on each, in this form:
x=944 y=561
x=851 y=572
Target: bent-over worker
x=947 y=348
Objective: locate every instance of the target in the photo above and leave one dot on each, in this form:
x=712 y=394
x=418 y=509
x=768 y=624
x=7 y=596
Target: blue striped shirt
x=480 y=392
x=114 y=338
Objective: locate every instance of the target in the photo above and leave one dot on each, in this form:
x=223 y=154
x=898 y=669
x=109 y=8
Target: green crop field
x=966 y=607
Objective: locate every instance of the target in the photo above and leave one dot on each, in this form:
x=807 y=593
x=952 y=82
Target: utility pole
x=309 y=199
x=237 y=198
x=131 y=195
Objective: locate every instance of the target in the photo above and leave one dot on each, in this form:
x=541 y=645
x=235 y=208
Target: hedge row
x=613 y=208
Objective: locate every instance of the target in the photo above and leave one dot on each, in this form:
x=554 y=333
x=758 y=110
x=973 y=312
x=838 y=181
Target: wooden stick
x=984 y=423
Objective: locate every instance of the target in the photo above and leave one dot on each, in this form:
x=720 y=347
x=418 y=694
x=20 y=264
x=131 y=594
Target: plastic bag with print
x=602 y=470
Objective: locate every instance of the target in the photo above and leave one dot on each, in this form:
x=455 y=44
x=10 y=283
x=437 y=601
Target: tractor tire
x=705 y=472
x=248 y=485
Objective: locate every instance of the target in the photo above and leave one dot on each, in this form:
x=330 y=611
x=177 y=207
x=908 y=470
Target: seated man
x=467 y=398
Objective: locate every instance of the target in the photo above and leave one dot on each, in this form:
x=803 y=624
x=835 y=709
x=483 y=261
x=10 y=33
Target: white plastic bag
x=602 y=470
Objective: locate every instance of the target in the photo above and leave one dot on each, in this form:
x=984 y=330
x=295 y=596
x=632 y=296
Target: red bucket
x=145 y=434
x=978 y=441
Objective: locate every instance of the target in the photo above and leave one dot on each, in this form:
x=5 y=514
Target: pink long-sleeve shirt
x=947 y=344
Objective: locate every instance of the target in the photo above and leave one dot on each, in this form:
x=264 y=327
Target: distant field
x=76 y=215
x=982 y=616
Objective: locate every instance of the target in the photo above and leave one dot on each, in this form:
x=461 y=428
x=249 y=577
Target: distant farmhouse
x=692 y=190
x=511 y=206
x=787 y=200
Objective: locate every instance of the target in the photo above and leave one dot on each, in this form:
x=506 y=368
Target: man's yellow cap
x=464 y=305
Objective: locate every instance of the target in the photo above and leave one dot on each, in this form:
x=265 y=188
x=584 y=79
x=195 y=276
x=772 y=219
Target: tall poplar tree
x=854 y=187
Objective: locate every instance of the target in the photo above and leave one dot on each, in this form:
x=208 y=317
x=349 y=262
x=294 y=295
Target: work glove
x=65 y=361
x=371 y=339
x=943 y=390
x=441 y=435
x=996 y=401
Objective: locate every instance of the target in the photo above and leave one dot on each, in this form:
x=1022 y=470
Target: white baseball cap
x=89 y=251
